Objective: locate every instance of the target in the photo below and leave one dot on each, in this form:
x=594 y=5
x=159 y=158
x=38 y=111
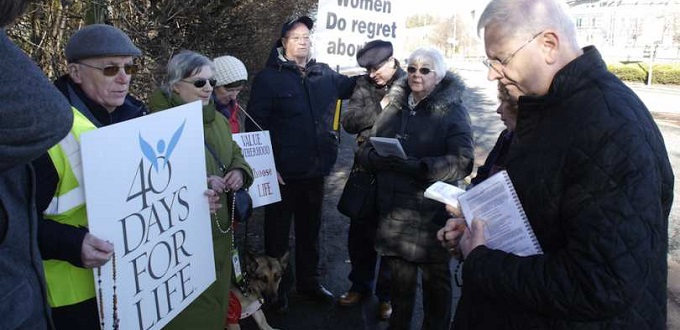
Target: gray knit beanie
x=98 y=40
x=230 y=71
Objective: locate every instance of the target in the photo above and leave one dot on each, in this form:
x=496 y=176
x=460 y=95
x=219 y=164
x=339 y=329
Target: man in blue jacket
x=294 y=98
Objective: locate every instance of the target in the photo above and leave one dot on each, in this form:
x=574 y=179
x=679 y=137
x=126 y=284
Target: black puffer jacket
x=591 y=170
x=437 y=135
x=297 y=108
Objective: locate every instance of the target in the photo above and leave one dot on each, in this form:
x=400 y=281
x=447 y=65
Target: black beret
x=374 y=53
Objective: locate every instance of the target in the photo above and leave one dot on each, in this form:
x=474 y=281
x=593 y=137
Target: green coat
x=209 y=310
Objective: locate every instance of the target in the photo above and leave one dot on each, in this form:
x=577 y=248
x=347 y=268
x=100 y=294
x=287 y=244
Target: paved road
x=480 y=99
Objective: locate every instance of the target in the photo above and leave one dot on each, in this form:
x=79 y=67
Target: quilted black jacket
x=591 y=170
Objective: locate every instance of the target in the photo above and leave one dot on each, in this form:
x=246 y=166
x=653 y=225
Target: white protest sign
x=342 y=27
x=257 y=150
x=145 y=181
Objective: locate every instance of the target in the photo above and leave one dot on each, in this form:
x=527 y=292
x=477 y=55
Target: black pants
x=301 y=200
x=436 y=283
x=362 y=254
x=80 y=316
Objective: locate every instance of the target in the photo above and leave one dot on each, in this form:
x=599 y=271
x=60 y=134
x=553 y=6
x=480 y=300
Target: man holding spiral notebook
x=591 y=171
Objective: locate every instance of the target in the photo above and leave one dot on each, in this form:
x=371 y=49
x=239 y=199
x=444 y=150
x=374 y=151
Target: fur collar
x=448 y=91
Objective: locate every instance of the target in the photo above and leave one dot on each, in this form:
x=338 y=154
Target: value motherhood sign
x=145 y=181
x=342 y=27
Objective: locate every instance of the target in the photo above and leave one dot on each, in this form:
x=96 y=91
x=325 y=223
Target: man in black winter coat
x=362 y=110
x=592 y=173
x=294 y=98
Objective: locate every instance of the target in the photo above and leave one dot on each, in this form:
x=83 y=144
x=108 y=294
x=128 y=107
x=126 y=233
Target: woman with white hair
x=426 y=115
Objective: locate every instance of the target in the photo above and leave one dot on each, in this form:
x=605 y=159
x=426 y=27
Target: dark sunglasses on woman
x=199 y=83
x=423 y=71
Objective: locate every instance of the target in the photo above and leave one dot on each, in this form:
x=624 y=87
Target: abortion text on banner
x=343 y=27
x=145 y=184
x=257 y=150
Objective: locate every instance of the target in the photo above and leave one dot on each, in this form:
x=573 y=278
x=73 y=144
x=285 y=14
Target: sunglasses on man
x=112 y=70
x=199 y=83
x=423 y=71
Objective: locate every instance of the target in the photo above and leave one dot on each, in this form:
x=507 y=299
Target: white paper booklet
x=495 y=201
x=387 y=147
x=507 y=226
x=444 y=193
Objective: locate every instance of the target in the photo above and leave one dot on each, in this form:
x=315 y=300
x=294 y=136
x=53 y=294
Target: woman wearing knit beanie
x=231 y=77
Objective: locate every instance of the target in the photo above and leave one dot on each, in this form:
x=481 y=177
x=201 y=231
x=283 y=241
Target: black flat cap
x=374 y=53
x=98 y=40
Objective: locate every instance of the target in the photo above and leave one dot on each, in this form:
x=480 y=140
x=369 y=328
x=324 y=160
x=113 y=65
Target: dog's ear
x=250 y=261
x=284 y=260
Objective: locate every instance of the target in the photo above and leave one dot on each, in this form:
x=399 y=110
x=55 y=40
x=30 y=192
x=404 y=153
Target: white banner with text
x=257 y=150
x=343 y=27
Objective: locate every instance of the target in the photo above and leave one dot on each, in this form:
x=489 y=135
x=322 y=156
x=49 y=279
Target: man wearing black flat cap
x=294 y=98
x=362 y=110
x=100 y=68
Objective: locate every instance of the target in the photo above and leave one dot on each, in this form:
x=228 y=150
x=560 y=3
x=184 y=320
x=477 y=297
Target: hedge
x=666 y=74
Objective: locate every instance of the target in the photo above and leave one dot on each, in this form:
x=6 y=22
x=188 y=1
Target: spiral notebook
x=507 y=227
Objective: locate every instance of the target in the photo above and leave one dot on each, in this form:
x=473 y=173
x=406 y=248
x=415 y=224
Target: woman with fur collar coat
x=426 y=115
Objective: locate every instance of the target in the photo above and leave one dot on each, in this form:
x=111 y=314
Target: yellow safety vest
x=68 y=284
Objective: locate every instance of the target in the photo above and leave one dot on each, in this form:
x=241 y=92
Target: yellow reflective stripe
x=68 y=284
x=70 y=147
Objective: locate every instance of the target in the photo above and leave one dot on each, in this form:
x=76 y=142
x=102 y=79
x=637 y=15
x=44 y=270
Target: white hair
x=431 y=56
x=525 y=18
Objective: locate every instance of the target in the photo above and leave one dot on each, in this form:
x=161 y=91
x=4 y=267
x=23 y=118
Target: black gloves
x=379 y=162
x=370 y=160
x=411 y=166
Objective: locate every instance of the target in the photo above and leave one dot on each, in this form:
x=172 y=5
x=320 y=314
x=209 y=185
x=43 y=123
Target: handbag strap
x=404 y=119
x=222 y=167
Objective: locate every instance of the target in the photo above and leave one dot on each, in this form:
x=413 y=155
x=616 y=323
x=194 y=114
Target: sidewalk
x=659 y=98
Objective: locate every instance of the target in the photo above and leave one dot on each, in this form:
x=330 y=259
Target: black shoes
x=319 y=294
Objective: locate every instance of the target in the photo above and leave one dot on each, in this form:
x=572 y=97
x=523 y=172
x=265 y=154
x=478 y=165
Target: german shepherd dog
x=264 y=275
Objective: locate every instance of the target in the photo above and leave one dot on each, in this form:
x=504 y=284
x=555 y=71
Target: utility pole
x=652 y=55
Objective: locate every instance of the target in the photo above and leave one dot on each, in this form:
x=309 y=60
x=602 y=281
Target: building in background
x=623 y=30
x=630 y=30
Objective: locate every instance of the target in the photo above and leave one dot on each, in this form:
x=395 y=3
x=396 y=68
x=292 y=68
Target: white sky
x=444 y=7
